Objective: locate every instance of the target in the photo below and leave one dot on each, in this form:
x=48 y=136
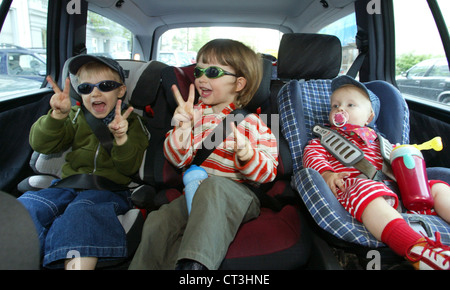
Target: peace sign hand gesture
x=184 y=116
x=60 y=101
x=119 y=126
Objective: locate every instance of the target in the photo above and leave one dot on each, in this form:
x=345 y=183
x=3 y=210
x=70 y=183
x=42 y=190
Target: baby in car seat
x=372 y=202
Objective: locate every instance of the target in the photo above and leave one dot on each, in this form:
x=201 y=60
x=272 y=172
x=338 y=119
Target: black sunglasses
x=212 y=72
x=104 y=86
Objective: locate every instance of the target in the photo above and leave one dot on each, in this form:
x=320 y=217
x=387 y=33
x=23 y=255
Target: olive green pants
x=219 y=207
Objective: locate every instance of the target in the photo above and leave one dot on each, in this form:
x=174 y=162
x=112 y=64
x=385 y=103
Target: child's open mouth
x=205 y=92
x=98 y=107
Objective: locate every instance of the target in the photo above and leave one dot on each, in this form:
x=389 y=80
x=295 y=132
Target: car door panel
x=15 y=150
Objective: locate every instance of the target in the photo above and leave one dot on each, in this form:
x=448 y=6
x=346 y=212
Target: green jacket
x=49 y=135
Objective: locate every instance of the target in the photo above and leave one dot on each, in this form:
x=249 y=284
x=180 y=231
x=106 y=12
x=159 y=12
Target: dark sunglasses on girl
x=212 y=72
x=104 y=86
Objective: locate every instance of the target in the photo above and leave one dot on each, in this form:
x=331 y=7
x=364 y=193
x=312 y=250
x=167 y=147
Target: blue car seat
x=303 y=103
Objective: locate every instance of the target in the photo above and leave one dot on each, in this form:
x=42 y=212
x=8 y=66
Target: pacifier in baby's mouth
x=340 y=119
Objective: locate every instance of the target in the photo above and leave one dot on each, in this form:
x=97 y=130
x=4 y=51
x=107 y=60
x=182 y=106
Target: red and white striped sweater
x=222 y=161
x=315 y=156
x=358 y=192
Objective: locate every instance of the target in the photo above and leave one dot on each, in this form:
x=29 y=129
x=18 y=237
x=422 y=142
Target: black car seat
x=48 y=167
x=304 y=102
x=276 y=239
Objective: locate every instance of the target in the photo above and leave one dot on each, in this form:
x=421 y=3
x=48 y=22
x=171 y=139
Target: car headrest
x=143 y=83
x=184 y=76
x=309 y=56
x=263 y=92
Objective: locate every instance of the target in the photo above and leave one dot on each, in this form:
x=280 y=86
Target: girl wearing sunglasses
x=78 y=226
x=228 y=74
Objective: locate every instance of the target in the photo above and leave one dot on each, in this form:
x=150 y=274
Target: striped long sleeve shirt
x=223 y=161
x=359 y=192
x=315 y=156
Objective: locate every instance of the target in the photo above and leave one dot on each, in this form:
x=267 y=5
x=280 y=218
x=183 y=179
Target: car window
x=440 y=69
x=105 y=37
x=345 y=29
x=422 y=70
x=178 y=47
x=23 y=48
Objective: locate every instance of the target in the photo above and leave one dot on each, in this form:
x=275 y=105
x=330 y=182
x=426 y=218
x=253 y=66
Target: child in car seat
x=227 y=76
x=77 y=223
x=369 y=201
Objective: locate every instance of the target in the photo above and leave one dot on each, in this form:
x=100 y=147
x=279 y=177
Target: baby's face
x=97 y=102
x=352 y=104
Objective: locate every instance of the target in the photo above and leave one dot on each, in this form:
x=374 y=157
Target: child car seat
x=48 y=167
x=274 y=240
x=304 y=102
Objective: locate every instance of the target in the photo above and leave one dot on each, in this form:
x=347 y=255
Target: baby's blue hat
x=347 y=80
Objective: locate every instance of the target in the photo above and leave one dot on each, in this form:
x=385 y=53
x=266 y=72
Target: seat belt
x=363 y=46
x=89 y=181
x=350 y=155
x=93 y=181
x=237 y=115
x=100 y=130
x=357 y=63
x=221 y=131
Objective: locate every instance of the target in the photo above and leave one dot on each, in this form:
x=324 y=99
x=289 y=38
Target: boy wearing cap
x=82 y=222
x=353 y=108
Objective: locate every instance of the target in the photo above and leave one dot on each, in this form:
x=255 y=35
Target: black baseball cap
x=82 y=59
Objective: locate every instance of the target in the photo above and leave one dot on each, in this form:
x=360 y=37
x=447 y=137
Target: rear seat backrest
x=183 y=77
x=143 y=80
x=133 y=70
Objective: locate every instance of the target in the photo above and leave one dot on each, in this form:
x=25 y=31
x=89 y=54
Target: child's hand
x=241 y=146
x=119 y=126
x=184 y=116
x=60 y=101
x=335 y=180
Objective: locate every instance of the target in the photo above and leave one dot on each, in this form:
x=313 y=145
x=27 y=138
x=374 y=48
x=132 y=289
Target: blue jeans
x=83 y=223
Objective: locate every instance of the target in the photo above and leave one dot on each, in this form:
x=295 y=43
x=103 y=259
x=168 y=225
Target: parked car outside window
x=428 y=79
x=21 y=69
x=422 y=72
x=16 y=60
